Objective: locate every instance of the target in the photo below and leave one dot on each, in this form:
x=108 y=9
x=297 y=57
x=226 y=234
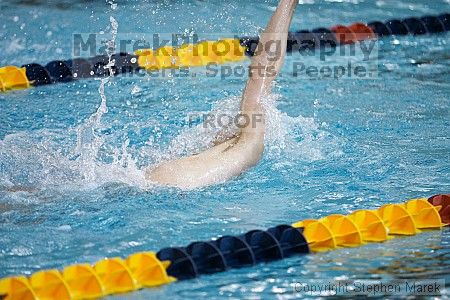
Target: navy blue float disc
x=182 y=266
x=59 y=71
x=236 y=251
x=207 y=257
x=264 y=245
x=37 y=74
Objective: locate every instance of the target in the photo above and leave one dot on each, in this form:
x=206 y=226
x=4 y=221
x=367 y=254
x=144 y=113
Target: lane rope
x=149 y=269
x=210 y=52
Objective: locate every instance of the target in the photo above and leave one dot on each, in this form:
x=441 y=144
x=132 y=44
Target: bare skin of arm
x=234 y=156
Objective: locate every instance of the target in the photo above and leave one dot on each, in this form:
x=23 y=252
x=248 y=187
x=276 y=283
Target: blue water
x=333 y=146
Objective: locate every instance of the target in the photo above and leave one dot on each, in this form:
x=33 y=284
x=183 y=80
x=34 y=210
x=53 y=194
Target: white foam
x=84 y=158
x=298 y=138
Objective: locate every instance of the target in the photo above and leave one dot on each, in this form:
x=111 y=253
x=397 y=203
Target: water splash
x=104 y=159
x=89 y=140
x=50 y=163
x=194 y=139
x=299 y=138
x=85 y=157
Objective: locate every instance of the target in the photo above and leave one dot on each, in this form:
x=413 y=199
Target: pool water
x=72 y=188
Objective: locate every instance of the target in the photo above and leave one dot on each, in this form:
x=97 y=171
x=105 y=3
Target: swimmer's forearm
x=266 y=63
x=281 y=19
x=275 y=35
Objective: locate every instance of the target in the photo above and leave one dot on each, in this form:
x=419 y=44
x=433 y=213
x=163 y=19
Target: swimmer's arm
x=266 y=64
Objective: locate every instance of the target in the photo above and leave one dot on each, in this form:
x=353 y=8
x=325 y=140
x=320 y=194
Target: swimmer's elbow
x=256 y=150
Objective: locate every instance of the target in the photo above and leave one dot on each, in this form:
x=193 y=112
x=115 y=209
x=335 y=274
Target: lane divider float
x=149 y=269
x=211 y=52
x=192 y=55
x=341 y=35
